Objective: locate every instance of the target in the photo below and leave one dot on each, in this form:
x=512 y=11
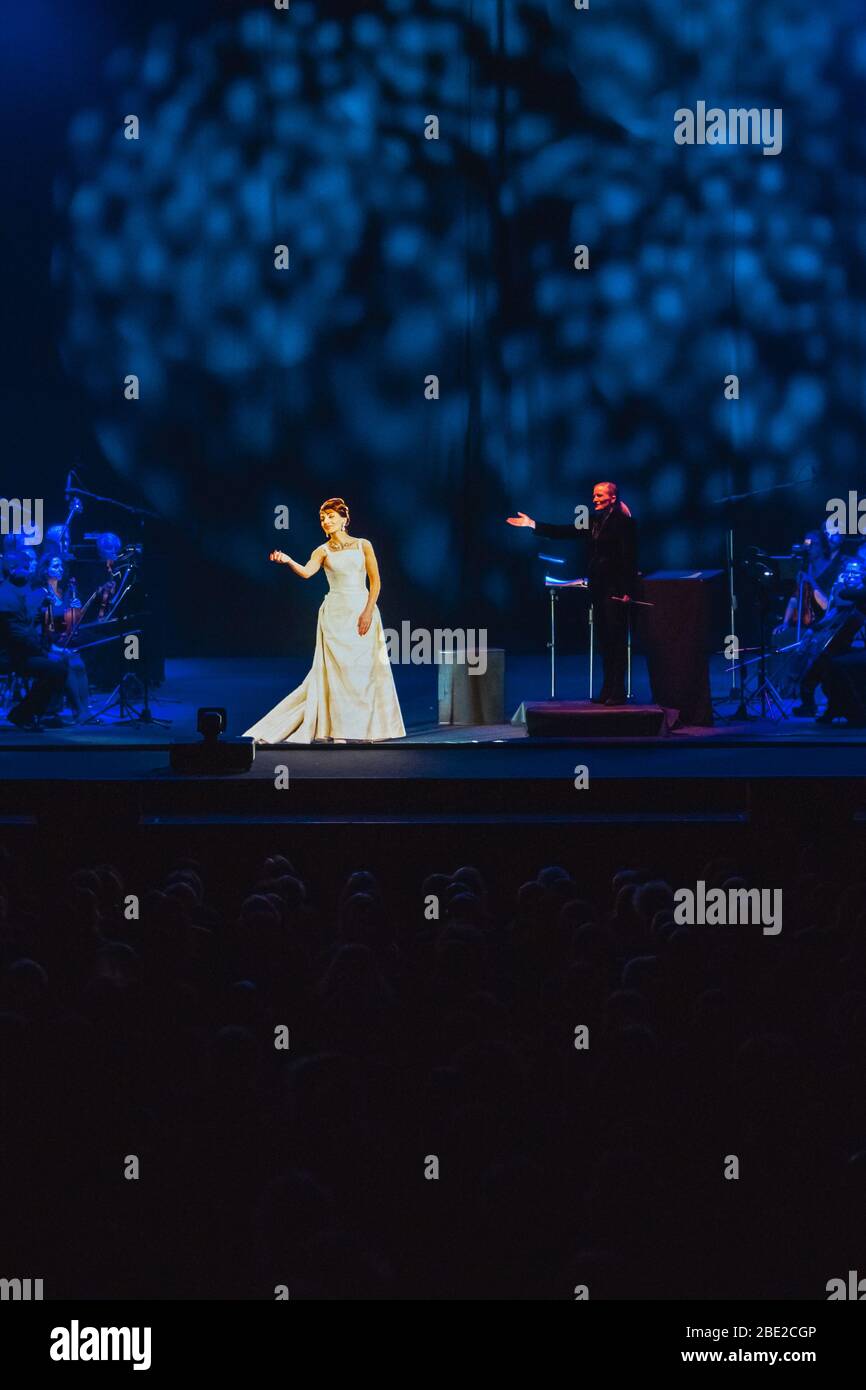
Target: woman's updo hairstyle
x=335 y=504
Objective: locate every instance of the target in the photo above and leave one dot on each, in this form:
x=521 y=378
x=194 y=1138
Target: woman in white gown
x=349 y=692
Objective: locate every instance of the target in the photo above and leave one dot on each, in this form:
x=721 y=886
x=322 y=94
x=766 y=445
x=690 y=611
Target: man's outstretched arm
x=550 y=529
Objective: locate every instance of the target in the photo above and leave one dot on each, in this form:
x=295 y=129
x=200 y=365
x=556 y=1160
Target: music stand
x=554 y=585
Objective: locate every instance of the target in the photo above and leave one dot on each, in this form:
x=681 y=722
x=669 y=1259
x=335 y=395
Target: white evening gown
x=349 y=691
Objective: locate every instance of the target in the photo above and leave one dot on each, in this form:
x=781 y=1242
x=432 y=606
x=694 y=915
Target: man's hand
x=521 y=520
x=278 y=557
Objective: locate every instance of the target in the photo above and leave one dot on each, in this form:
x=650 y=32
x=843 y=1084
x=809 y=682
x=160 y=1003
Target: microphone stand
x=733 y=499
x=112 y=502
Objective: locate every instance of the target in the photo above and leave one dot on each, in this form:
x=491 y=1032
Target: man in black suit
x=612 y=573
x=22 y=646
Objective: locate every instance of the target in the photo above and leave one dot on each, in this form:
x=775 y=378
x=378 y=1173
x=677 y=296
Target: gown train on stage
x=349 y=692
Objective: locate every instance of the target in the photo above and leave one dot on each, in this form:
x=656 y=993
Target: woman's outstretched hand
x=521 y=520
x=278 y=557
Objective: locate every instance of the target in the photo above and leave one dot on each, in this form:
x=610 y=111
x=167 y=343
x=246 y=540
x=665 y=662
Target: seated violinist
x=23 y=647
x=59 y=615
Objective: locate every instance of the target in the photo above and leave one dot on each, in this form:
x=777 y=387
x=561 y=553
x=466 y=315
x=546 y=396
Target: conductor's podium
x=472 y=694
x=584 y=720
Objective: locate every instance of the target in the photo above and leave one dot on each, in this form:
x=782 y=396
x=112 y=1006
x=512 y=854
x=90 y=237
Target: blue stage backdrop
x=430 y=344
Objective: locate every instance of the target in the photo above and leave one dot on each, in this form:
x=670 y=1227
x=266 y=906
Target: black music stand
x=553 y=586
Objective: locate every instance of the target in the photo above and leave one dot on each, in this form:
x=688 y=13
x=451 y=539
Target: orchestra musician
x=40 y=617
x=59 y=617
x=842 y=673
x=822 y=556
x=23 y=649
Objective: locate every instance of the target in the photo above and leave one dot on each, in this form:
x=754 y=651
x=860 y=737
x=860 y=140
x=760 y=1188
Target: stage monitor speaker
x=580 y=719
x=208 y=759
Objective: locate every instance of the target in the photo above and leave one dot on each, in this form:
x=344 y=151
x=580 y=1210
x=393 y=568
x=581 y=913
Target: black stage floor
x=754 y=771
x=247 y=687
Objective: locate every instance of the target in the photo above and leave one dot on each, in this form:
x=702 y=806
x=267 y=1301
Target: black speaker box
x=213 y=758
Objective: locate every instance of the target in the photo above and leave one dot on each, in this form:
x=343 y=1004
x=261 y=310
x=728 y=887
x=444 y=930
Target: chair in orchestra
x=13 y=688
